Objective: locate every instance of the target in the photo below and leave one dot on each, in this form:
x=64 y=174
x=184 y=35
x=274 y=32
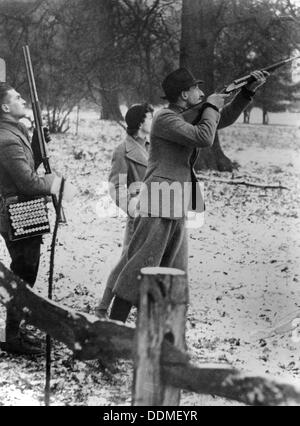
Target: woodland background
x=117 y=52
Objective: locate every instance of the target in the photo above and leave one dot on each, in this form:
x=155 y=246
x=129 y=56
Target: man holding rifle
x=19 y=160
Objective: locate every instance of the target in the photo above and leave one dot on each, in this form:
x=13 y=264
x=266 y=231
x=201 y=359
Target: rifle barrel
x=39 y=123
x=280 y=64
x=36 y=109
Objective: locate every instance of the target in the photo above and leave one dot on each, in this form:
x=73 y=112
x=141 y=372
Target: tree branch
x=243 y=182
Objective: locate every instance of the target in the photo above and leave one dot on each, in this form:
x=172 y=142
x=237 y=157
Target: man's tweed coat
x=160 y=237
x=18 y=175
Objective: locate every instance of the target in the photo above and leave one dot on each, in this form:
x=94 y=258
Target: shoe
x=18 y=346
x=101 y=313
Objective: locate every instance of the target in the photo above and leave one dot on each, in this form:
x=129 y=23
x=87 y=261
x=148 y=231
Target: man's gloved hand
x=260 y=79
x=217 y=99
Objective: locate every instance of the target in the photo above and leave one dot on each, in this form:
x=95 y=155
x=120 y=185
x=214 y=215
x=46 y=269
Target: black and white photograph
x=149 y=205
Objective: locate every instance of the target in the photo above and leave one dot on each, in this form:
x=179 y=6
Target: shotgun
x=39 y=124
x=192 y=115
x=241 y=82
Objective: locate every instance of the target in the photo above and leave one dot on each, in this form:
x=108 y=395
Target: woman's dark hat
x=136 y=115
x=178 y=81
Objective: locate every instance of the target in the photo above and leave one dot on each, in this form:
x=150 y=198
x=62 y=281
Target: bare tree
x=228 y=37
x=36 y=23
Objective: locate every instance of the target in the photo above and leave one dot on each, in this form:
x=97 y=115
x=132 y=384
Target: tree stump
x=161 y=317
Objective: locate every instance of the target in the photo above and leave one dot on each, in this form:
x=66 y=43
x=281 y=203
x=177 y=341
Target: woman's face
x=146 y=126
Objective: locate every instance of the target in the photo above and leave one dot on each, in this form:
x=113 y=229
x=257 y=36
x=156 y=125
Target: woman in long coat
x=129 y=164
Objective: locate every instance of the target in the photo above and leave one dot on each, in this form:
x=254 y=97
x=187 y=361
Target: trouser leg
x=146 y=249
x=113 y=276
x=176 y=254
x=25 y=258
x=143 y=250
x=106 y=300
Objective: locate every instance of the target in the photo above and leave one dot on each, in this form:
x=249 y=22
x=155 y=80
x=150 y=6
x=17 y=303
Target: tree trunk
x=265 y=117
x=198 y=42
x=247 y=114
x=108 y=60
x=110 y=108
x=214 y=159
x=149 y=75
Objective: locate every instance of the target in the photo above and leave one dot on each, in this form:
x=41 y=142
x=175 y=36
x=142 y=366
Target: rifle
x=193 y=114
x=39 y=124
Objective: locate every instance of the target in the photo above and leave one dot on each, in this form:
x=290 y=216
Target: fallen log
x=85 y=335
x=90 y=338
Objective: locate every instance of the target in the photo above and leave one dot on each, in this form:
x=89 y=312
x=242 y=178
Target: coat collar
x=134 y=152
x=176 y=108
x=17 y=129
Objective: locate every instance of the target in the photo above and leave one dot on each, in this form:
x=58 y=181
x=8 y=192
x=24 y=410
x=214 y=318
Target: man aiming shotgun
x=19 y=182
x=160 y=235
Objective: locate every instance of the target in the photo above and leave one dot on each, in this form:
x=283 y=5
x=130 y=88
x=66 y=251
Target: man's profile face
x=14 y=105
x=194 y=95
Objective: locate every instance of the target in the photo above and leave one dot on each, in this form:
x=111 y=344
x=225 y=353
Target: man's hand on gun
x=217 y=99
x=260 y=79
x=69 y=189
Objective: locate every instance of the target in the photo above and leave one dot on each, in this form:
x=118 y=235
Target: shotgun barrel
x=240 y=82
x=39 y=123
x=193 y=114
